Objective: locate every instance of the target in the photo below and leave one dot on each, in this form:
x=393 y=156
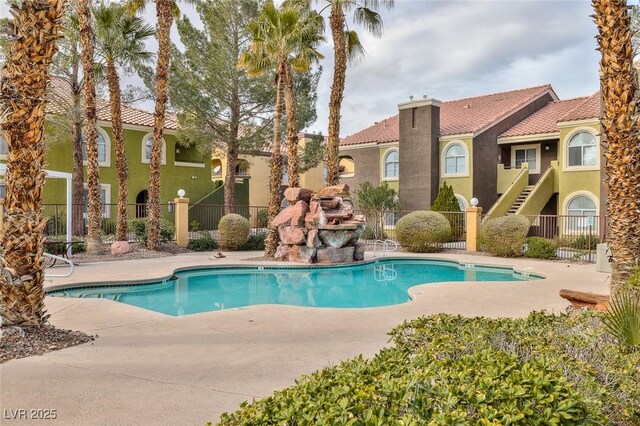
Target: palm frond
x=355 y=49
x=369 y=19
x=622 y=320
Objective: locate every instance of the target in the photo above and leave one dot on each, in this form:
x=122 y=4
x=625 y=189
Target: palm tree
x=165 y=12
x=621 y=135
x=120 y=42
x=346 y=45
x=94 y=204
x=35 y=27
x=283 y=40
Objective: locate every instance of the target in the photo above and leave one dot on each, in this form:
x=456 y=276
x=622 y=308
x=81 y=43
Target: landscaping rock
x=284 y=217
x=282 y=252
x=312 y=238
x=336 y=238
x=294 y=195
x=300 y=209
x=335 y=191
x=292 y=235
x=315 y=220
x=119 y=248
x=357 y=233
x=302 y=254
x=331 y=255
x=343 y=212
x=358 y=253
x=331 y=203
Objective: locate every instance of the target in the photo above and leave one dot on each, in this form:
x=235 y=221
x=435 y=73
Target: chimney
x=419 y=153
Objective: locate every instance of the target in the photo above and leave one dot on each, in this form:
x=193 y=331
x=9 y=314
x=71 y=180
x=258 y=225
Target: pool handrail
x=71 y=265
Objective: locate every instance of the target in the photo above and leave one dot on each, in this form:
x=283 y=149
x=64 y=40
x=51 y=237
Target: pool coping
x=54 y=288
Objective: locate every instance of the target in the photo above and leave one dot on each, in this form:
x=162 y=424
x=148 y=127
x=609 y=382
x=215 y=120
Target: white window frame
x=462 y=200
x=107 y=141
x=106 y=207
x=443 y=166
x=532 y=171
x=565 y=209
x=565 y=148
x=144 y=146
x=384 y=164
x=2 y=140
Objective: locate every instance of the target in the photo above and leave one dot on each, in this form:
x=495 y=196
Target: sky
x=451 y=49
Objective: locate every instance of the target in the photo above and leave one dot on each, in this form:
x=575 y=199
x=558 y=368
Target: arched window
x=242 y=168
x=581 y=205
x=346 y=167
x=104 y=148
x=147 y=145
x=582 y=150
x=391 y=164
x=455 y=160
x=584 y=208
x=462 y=202
x=4 y=147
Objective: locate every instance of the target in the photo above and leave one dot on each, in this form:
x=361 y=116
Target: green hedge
x=203 y=243
x=445 y=370
x=423 y=231
x=505 y=236
x=540 y=248
x=139 y=229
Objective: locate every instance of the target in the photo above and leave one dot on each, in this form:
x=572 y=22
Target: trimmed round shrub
x=423 y=231
x=505 y=236
x=540 y=248
x=233 y=231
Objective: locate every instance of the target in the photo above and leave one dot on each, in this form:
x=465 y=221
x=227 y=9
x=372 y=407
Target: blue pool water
x=379 y=283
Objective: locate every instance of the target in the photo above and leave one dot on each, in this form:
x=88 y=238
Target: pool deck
x=149 y=368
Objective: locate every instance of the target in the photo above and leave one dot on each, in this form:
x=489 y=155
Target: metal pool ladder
x=71 y=266
x=385 y=246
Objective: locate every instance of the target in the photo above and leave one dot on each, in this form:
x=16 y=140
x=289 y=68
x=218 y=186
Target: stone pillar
x=473 y=227
x=182 y=221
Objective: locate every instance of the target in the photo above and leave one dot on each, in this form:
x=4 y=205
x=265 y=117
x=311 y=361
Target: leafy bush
x=255 y=242
x=375 y=202
x=505 y=236
x=139 y=229
x=423 y=231
x=263 y=218
x=446 y=200
x=204 y=243
x=446 y=369
x=585 y=242
x=368 y=234
x=540 y=248
x=195 y=226
x=233 y=231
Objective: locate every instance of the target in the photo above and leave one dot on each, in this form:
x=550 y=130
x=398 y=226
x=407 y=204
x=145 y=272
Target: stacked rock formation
x=320 y=227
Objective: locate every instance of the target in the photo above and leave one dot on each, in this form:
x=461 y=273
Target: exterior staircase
x=520 y=200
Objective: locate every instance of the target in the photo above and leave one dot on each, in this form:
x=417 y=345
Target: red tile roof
x=60 y=90
x=545 y=120
x=588 y=109
x=460 y=116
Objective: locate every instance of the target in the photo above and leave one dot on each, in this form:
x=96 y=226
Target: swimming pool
x=378 y=283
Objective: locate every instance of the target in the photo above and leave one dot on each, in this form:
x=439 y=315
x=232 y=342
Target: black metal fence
x=381 y=225
x=205 y=217
x=574 y=237
x=57 y=220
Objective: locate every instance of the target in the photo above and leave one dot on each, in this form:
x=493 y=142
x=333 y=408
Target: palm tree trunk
x=94 y=204
x=275 y=175
x=121 y=158
x=36 y=26
x=292 y=129
x=164 y=12
x=621 y=135
x=77 y=176
x=336 y=20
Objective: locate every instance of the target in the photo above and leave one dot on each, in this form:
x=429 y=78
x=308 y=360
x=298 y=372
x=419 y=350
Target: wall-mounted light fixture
x=547 y=147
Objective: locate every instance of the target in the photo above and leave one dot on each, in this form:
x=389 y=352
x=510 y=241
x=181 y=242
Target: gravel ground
x=20 y=342
x=138 y=251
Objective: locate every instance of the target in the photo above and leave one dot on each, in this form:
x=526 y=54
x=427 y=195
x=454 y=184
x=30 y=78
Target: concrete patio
x=149 y=368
